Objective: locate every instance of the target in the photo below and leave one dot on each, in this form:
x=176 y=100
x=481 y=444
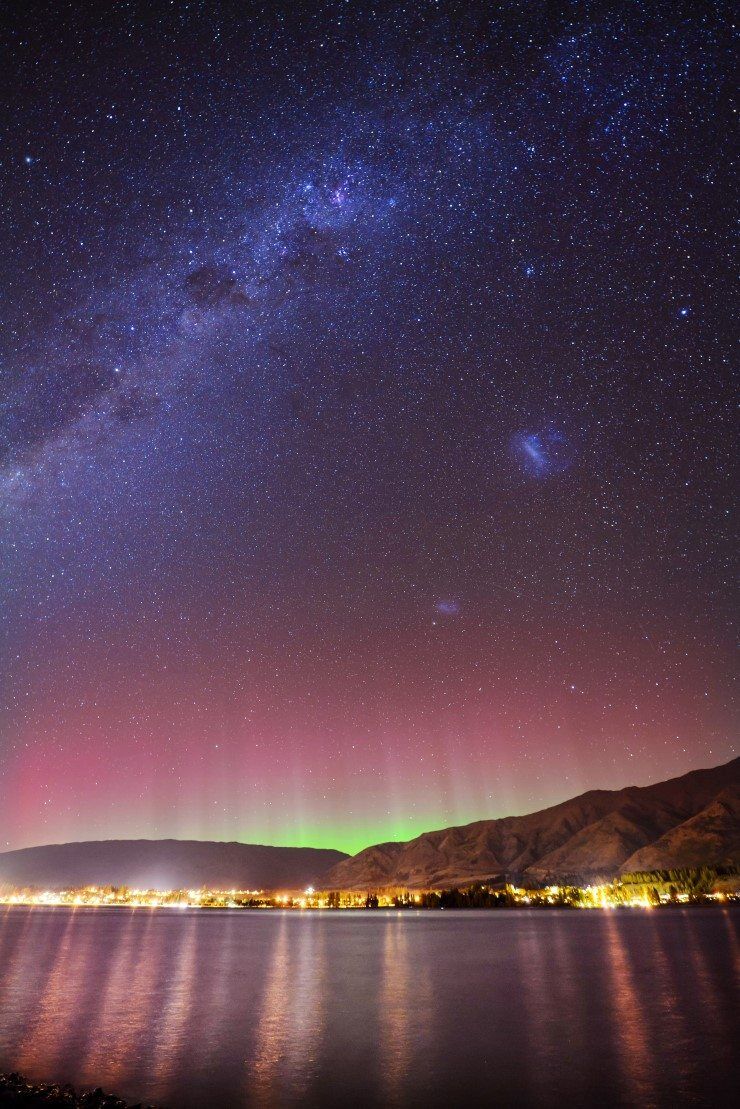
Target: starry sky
x=366 y=449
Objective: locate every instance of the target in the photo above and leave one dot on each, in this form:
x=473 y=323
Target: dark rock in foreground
x=20 y=1091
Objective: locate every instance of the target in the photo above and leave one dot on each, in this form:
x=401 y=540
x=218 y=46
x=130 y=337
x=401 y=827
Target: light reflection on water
x=192 y=1009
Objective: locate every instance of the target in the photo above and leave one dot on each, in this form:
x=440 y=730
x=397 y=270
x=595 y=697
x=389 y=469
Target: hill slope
x=691 y=820
x=166 y=864
x=688 y=821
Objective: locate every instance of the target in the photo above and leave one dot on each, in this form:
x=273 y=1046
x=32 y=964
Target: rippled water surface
x=257 y=1008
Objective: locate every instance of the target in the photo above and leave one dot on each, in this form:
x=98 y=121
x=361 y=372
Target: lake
x=259 y=1008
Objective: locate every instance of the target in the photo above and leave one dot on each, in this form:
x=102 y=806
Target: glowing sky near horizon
x=366 y=458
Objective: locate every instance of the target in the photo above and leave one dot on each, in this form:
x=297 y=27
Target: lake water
x=208 y=1009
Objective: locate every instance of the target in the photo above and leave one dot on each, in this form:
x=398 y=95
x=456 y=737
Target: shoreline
x=18 y=1090
x=639 y=890
x=411 y=910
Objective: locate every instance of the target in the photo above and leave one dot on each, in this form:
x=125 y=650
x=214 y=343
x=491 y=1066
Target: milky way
x=366 y=414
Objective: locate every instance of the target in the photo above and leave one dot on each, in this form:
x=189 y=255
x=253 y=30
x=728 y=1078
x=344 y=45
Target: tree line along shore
x=648 y=889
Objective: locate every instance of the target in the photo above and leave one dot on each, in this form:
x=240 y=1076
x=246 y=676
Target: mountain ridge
x=166 y=864
x=690 y=820
x=597 y=833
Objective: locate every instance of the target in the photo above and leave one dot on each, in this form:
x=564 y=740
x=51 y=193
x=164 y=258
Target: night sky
x=366 y=457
